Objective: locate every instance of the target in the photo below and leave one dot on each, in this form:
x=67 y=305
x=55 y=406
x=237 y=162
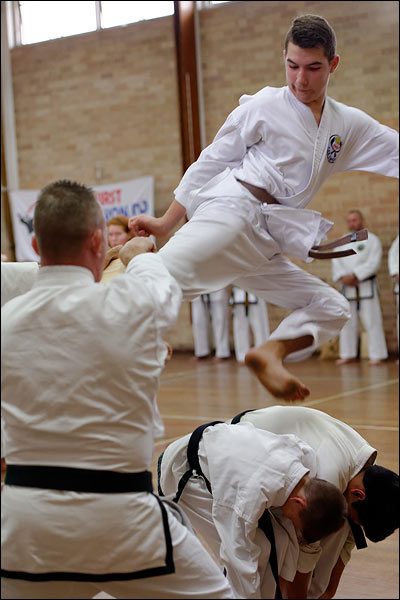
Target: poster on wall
x=129 y=198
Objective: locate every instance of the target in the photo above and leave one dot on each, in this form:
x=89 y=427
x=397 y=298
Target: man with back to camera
x=78 y=512
x=357 y=275
x=245 y=198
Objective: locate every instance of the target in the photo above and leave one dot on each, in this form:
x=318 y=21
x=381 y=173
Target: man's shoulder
x=350 y=113
x=373 y=237
x=267 y=94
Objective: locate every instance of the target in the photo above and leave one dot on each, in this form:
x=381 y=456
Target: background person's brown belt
x=316 y=251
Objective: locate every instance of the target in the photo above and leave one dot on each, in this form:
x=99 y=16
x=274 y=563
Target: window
x=39 y=21
x=120 y=13
x=48 y=20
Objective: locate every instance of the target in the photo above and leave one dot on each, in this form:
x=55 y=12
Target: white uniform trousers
x=396 y=291
x=226 y=242
x=218 y=310
x=371 y=317
x=255 y=321
x=196 y=576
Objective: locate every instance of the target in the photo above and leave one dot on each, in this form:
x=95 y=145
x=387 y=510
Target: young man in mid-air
x=245 y=198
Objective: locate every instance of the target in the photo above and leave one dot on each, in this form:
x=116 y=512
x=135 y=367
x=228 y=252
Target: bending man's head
x=317 y=509
x=69 y=227
x=373 y=499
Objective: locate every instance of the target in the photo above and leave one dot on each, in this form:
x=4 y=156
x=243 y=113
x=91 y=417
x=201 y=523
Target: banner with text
x=129 y=198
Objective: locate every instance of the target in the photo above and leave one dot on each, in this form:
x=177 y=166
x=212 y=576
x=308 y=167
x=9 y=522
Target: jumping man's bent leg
x=319 y=312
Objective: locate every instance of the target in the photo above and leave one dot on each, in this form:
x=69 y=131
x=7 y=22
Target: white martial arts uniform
x=80 y=364
x=114 y=268
x=364 y=265
x=341 y=453
x=393 y=265
x=249 y=470
x=273 y=141
x=16 y=279
x=215 y=306
x=249 y=314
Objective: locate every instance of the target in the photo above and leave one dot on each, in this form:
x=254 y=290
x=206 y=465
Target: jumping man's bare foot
x=266 y=363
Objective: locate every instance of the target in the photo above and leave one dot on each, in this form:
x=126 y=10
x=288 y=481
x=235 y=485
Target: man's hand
x=134 y=247
x=111 y=254
x=350 y=280
x=145 y=225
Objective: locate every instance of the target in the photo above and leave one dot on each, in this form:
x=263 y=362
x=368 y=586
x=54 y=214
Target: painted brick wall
x=110 y=99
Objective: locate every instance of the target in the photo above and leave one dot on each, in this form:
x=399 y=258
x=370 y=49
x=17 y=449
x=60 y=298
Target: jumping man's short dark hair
x=312 y=31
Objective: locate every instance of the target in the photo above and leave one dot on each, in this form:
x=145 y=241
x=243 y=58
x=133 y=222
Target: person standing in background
x=118 y=231
x=357 y=275
x=393 y=265
x=250 y=314
x=214 y=306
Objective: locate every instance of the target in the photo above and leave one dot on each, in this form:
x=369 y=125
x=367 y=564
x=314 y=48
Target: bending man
x=227 y=476
x=347 y=460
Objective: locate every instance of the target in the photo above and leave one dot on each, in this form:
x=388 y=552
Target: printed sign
x=129 y=198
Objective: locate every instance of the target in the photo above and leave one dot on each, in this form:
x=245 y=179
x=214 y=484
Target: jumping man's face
x=307 y=73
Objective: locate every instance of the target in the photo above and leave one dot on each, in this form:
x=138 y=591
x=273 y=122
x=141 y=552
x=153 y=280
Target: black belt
x=193 y=460
x=78 y=480
x=264 y=523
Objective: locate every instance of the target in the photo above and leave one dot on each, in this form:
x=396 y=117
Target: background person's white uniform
x=393 y=266
x=95 y=354
x=341 y=453
x=248 y=470
x=273 y=141
x=214 y=307
x=364 y=265
x=16 y=279
x=249 y=316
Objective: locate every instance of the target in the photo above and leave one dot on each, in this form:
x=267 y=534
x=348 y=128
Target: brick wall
x=110 y=99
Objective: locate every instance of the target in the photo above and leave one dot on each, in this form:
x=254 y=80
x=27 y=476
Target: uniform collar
x=64 y=275
x=305 y=111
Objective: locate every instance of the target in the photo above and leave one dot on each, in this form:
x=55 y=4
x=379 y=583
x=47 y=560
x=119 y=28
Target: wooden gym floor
x=366 y=397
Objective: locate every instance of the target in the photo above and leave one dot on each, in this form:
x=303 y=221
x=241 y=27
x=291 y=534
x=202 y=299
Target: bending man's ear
x=34 y=244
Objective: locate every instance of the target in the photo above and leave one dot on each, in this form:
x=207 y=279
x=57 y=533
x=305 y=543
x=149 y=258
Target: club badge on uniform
x=334 y=146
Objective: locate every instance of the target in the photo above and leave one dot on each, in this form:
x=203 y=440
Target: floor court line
x=350 y=392
x=310 y=403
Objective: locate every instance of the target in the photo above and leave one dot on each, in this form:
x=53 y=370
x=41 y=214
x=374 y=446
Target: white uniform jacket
x=249 y=470
x=272 y=140
x=80 y=365
x=364 y=264
x=16 y=279
x=393 y=261
x=341 y=453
